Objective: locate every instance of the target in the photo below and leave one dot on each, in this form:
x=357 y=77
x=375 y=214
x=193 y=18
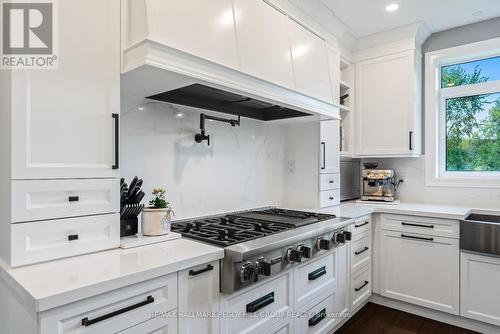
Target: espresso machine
x=378 y=184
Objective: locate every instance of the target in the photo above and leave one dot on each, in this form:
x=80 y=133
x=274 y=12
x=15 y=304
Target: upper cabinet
x=388 y=105
x=62 y=119
x=310 y=63
x=268 y=33
x=202 y=28
x=333 y=56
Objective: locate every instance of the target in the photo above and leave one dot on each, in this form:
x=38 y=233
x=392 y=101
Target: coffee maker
x=378 y=184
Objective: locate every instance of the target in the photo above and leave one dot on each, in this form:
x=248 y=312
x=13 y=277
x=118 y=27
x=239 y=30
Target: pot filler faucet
x=200 y=137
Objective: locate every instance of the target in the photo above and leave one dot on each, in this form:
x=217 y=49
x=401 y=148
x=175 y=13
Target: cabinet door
x=201 y=28
x=310 y=63
x=155 y=326
x=329 y=147
x=343 y=279
x=386 y=105
x=199 y=293
x=264 y=47
x=62 y=124
x=420 y=269
x=479 y=290
x=333 y=55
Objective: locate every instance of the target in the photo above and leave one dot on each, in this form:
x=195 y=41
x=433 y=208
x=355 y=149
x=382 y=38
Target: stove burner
x=238 y=227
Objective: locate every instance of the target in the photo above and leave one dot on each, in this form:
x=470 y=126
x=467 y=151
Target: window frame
x=435 y=113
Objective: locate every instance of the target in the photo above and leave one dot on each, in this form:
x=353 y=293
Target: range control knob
x=247 y=272
x=306 y=252
x=323 y=244
x=340 y=238
x=293 y=255
x=348 y=235
x=263 y=267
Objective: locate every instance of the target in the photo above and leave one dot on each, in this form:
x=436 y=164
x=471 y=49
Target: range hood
x=213 y=99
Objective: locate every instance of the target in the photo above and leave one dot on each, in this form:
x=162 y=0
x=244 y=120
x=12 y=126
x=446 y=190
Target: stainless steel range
x=264 y=242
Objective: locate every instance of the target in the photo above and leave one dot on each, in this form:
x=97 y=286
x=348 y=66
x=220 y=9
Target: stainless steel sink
x=480 y=234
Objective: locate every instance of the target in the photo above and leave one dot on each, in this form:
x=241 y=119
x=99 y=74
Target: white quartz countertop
x=354 y=210
x=51 y=284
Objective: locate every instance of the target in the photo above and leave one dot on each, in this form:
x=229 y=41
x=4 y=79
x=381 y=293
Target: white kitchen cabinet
x=316 y=320
x=199 y=296
x=420 y=269
x=310 y=62
x=388 y=105
x=62 y=119
x=202 y=28
x=361 y=287
x=479 y=287
x=343 y=297
x=155 y=326
x=329 y=147
x=333 y=56
x=269 y=32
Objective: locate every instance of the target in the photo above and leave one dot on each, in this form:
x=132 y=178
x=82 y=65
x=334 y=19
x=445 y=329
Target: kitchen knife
x=139 y=197
x=133 y=184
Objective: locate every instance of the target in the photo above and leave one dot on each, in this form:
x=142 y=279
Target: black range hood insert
x=209 y=98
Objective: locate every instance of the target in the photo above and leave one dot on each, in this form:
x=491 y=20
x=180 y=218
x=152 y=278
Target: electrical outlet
x=290 y=166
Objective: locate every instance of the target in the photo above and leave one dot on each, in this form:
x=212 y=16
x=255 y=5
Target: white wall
x=242 y=168
x=414 y=189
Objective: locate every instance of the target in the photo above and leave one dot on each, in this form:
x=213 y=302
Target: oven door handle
x=260 y=303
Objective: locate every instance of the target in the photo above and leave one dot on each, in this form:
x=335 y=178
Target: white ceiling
x=366 y=17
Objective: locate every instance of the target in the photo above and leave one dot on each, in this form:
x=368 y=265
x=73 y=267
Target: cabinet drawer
x=422 y=225
x=284 y=327
x=155 y=326
x=148 y=303
x=361 y=226
x=54 y=239
x=314 y=279
x=361 y=286
x=361 y=252
x=329 y=198
x=50 y=199
x=329 y=181
x=275 y=296
x=318 y=319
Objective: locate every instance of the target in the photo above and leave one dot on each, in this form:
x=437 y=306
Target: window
x=463 y=115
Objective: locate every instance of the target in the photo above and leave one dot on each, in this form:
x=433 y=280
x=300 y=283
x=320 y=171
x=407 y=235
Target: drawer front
x=361 y=252
x=54 y=239
x=329 y=198
x=284 y=327
x=361 y=286
x=152 y=302
x=51 y=199
x=361 y=226
x=329 y=181
x=447 y=228
x=271 y=296
x=155 y=326
x=318 y=319
x=314 y=279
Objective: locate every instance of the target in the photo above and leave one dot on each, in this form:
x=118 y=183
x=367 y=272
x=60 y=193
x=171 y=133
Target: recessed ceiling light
x=392 y=7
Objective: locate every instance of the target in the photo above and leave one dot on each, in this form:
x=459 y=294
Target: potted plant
x=157 y=218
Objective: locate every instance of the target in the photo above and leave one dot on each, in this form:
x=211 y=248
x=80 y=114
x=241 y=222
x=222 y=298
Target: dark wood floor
x=376 y=319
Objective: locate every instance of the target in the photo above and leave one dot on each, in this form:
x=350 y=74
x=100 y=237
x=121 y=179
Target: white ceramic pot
x=155 y=221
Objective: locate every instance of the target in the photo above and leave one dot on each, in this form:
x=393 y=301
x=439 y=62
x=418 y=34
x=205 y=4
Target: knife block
x=129 y=223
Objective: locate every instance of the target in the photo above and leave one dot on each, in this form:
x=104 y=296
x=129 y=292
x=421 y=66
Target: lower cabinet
x=318 y=319
x=156 y=326
x=480 y=288
x=198 y=299
x=420 y=269
x=361 y=287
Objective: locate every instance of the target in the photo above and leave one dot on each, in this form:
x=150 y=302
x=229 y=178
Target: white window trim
x=435 y=121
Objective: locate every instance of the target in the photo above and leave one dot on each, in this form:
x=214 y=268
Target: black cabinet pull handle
x=73 y=198
x=117 y=141
x=87 y=322
x=323 y=144
x=417 y=225
x=331 y=181
x=331 y=198
x=410 y=134
x=362 y=286
x=417 y=238
x=72 y=237
x=361 y=251
x=365 y=223
x=317 y=273
x=317 y=318
x=193 y=272
x=260 y=303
